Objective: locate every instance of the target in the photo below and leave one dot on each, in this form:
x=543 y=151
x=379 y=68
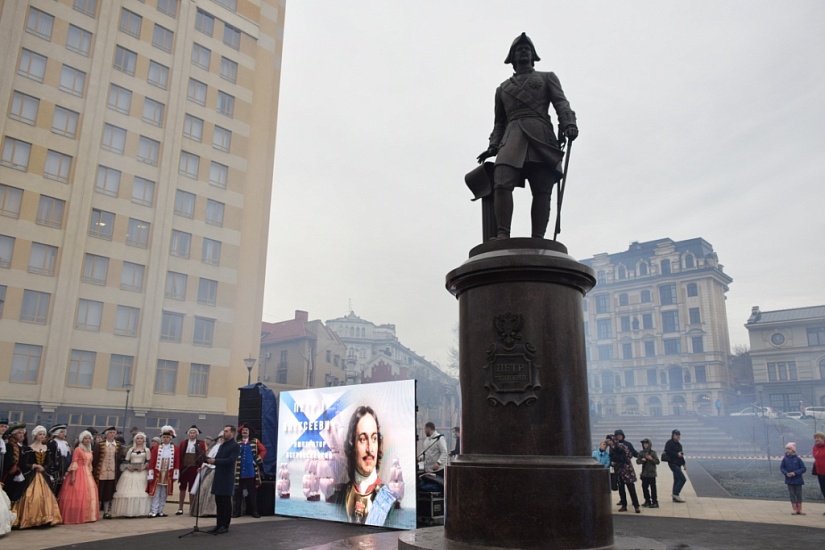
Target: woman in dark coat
x=792 y=468
x=621 y=458
x=223 y=485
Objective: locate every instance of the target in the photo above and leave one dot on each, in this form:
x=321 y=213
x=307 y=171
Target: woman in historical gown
x=202 y=501
x=131 y=499
x=7 y=517
x=37 y=506
x=78 y=497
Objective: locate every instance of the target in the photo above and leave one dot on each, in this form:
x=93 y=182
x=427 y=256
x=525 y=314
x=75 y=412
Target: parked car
x=815 y=412
x=795 y=415
x=767 y=412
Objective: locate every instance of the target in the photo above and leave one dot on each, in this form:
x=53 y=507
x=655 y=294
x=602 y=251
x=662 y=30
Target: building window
x=647 y=321
x=622 y=272
x=204 y=332
x=175 y=285
x=16 y=154
x=58 y=166
x=184 y=204
x=42 y=259
x=95 y=269
x=201 y=56
x=782 y=371
x=232 y=37
x=600 y=277
x=6 y=250
x=204 y=22
x=199 y=380
x=181 y=243
x=651 y=377
x=665 y=266
x=667 y=294
x=10 y=200
x=821 y=362
x=229 y=4
x=35 y=307
x=650 y=348
x=120 y=371
x=143 y=191
x=102 y=224
x=108 y=181
x=148 y=150
x=158 y=75
x=131 y=277
x=125 y=60
x=166 y=376
x=171 y=327
x=50 y=211
x=24 y=108
x=207 y=292
x=211 y=252
x=196 y=92
x=623 y=300
x=670 y=321
x=40 y=23
x=673 y=346
x=645 y=297
x=218 y=174
x=89 y=314
x=86 y=7
x=162 y=38
x=169 y=7
x=81 y=368
x=625 y=323
x=193 y=128
x=642 y=269
x=816 y=336
x=692 y=290
x=64 y=122
x=690 y=263
x=629 y=379
x=120 y=99
x=602 y=303
x=2 y=299
x=25 y=364
x=229 y=70
x=79 y=40
x=226 y=104
x=214 y=212
x=189 y=165
x=153 y=111
x=32 y=65
x=222 y=139
x=137 y=233
x=114 y=139
x=126 y=321
x=695 y=318
x=627 y=350
x=130 y=22
x=603 y=329
x=698 y=344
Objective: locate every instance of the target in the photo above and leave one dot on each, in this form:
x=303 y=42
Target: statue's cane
x=561 y=189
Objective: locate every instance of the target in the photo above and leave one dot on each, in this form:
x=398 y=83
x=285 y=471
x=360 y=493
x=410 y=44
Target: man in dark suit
x=223 y=485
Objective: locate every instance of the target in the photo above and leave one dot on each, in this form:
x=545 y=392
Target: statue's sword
x=561 y=189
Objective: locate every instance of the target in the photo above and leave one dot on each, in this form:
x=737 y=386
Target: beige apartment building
x=137 y=145
x=656 y=329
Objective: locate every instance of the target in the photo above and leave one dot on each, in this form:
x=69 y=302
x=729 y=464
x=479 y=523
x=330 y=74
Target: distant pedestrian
x=620 y=437
x=457 y=438
x=792 y=468
x=648 y=459
x=675 y=459
x=819 y=460
x=602 y=454
x=622 y=461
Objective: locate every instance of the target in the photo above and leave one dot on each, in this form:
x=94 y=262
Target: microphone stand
x=195 y=529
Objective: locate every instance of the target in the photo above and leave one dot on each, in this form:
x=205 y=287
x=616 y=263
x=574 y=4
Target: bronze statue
x=523 y=140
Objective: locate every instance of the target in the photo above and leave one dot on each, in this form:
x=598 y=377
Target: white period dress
x=131 y=499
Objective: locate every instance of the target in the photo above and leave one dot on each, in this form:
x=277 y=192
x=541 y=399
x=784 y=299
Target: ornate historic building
x=374 y=354
x=788 y=357
x=136 y=160
x=657 y=331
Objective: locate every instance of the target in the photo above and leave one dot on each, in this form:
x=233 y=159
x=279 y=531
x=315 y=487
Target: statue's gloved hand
x=571 y=132
x=487 y=153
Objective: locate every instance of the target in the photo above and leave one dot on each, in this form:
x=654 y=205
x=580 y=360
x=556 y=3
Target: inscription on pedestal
x=512 y=373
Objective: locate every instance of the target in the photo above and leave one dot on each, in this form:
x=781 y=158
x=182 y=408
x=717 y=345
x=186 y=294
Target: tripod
x=195 y=528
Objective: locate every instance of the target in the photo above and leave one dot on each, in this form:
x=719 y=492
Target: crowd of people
x=46 y=480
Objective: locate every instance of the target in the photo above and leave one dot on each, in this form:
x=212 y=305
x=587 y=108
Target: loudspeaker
x=249 y=409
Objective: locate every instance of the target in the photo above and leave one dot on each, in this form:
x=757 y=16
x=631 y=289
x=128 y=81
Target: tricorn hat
x=480 y=179
x=57 y=427
x=168 y=430
x=519 y=39
x=193 y=427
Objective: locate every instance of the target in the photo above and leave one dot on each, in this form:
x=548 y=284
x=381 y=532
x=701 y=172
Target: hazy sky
x=696 y=119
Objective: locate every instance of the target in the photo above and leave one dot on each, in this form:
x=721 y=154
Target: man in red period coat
x=192 y=452
x=164 y=470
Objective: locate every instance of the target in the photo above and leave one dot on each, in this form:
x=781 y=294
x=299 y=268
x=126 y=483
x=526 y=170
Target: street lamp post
x=128 y=387
x=250 y=362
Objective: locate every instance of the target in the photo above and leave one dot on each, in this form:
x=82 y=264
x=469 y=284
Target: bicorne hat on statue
x=519 y=39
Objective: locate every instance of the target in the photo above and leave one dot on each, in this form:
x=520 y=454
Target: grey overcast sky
x=697 y=119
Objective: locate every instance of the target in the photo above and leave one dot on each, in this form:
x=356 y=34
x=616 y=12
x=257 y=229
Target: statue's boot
x=503 y=206
x=539 y=214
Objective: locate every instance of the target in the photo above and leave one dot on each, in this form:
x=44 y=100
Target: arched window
x=690 y=262
x=642 y=269
x=622 y=272
x=665 y=267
